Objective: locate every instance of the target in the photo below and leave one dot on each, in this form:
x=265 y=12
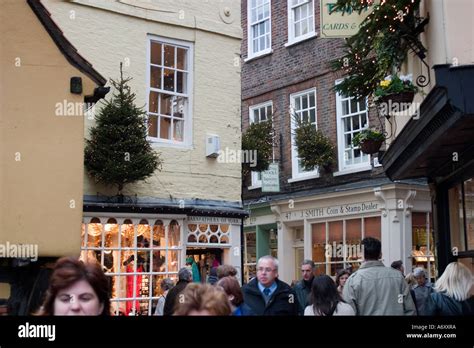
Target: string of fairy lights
x=379 y=47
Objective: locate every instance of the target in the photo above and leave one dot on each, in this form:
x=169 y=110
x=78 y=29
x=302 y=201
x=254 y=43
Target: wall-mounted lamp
x=76 y=85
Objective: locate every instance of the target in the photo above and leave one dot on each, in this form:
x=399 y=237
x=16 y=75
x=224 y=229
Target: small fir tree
x=118 y=152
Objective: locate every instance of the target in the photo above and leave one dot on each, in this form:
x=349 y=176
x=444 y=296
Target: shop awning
x=149 y=205
x=429 y=146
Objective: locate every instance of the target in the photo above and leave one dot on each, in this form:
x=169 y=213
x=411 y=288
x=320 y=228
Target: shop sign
x=270 y=179
x=250 y=221
x=213 y=220
x=341 y=24
x=338 y=210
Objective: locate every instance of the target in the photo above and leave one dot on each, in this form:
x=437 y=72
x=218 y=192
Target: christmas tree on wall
x=118 y=152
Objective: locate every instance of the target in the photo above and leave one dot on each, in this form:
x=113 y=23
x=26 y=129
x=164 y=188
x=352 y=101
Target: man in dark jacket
x=184 y=278
x=266 y=294
x=303 y=287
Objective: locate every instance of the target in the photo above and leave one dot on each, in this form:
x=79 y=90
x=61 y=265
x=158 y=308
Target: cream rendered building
x=184 y=58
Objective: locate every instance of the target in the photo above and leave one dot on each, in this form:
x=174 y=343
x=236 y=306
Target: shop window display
x=423 y=248
x=136 y=255
x=200 y=261
x=336 y=245
x=250 y=256
x=461 y=217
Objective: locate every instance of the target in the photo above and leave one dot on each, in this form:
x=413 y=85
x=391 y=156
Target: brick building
x=286 y=67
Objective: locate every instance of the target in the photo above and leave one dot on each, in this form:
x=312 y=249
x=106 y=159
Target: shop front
x=138 y=251
x=260 y=238
x=328 y=225
x=439 y=147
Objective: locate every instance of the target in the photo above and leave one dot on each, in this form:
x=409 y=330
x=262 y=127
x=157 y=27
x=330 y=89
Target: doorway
x=202 y=260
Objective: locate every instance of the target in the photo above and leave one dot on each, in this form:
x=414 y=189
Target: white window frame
x=250 y=53
x=188 y=116
x=135 y=219
x=256 y=182
x=291 y=21
x=296 y=175
x=343 y=168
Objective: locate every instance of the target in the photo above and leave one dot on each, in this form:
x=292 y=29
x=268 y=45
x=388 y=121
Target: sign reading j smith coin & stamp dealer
x=338 y=210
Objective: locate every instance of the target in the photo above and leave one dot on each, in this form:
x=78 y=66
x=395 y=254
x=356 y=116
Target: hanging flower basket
x=397 y=101
x=369 y=141
x=395 y=94
x=370 y=146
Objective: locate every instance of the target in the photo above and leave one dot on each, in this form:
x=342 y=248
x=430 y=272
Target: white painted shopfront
x=137 y=251
x=328 y=228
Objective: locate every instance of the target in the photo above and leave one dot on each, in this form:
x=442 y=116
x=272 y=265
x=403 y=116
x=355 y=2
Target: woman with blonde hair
x=452 y=296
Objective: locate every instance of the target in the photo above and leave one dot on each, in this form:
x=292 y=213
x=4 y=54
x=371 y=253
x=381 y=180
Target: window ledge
x=254 y=187
x=299 y=40
x=160 y=144
x=303 y=178
x=353 y=170
x=258 y=55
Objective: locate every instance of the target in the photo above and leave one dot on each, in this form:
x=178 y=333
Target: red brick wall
x=288 y=70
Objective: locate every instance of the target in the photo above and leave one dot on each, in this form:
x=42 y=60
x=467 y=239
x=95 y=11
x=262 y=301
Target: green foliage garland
x=258 y=138
x=314 y=148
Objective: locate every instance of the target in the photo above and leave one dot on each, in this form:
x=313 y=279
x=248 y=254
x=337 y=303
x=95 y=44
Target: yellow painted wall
x=107 y=33
x=41 y=153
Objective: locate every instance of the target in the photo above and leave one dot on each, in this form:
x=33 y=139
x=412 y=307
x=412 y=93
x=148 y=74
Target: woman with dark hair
x=341 y=278
x=76 y=288
x=236 y=298
x=326 y=300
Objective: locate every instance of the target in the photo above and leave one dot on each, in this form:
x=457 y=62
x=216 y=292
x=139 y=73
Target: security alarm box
x=212 y=145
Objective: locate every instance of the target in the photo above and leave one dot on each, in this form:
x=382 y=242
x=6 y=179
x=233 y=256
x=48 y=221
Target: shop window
x=469 y=208
x=456 y=218
x=461 y=217
x=208 y=234
x=250 y=255
x=423 y=248
x=373 y=227
x=319 y=245
x=136 y=256
x=337 y=244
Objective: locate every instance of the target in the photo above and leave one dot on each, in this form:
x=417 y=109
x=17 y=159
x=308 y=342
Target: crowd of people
x=77 y=288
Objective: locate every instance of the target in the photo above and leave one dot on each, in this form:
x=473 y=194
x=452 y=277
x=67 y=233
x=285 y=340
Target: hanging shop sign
x=270 y=179
x=338 y=210
x=341 y=24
